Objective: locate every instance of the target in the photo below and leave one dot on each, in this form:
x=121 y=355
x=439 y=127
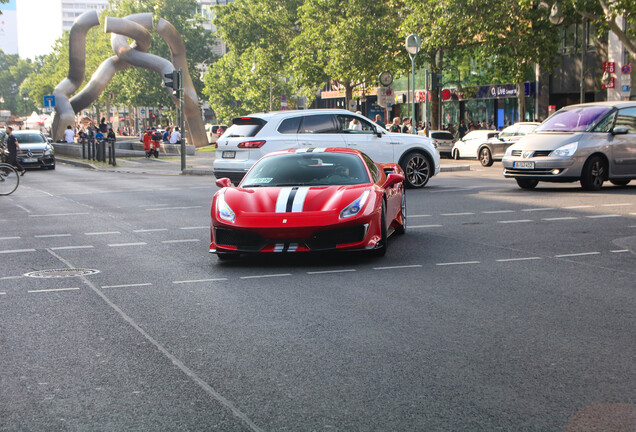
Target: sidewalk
x=199 y=164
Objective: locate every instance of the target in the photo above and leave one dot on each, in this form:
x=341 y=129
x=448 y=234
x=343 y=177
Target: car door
x=624 y=145
x=319 y=130
x=361 y=134
x=506 y=138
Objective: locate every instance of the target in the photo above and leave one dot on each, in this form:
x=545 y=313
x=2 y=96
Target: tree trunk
x=348 y=94
x=521 y=98
x=436 y=105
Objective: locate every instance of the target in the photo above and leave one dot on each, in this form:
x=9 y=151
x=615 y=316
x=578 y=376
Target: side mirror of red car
x=224 y=182
x=393 y=179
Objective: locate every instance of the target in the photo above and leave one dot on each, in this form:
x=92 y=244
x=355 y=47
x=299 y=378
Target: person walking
x=13 y=147
x=461 y=130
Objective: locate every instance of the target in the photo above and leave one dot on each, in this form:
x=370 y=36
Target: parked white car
x=467 y=147
x=253 y=136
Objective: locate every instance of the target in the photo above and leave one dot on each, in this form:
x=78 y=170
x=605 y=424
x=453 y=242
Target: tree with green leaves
x=13 y=72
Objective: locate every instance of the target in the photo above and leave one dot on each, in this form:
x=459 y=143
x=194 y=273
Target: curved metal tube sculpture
x=135 y=27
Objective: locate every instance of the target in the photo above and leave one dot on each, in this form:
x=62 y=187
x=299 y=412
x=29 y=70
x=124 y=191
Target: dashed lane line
x=200 y=280
x=10 y=251
x=538 y=209
x=577 y=254
x=127 y=244
x=616 y=205
x=173 y=208
x=620 y=251
x=266 y=276
x=425 y=226
x=194 y=228
x=330 y=271
x=519 y=259
x=52 y=235
x=515 y=221
x=150 y=230
x=603 y=216
x=11 y=277
x=458 y=263
x=59 y=214
x=181 y=241
x=560 y=218
x=72 y=247
x=10 y=238
x=498 y=211
x=53 y=290
x=127 y=285
x=577 y=207
x=398 y=267
x=102 y=233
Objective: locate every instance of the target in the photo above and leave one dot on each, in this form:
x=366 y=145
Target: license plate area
x=29 y=160
x=228 y=155
x=523 y=165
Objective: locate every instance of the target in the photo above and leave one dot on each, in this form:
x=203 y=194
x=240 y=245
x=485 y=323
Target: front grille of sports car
x=329 y=239
x=321 y=240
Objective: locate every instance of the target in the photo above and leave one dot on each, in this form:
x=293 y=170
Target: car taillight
x=216 y=145
x=251 y=144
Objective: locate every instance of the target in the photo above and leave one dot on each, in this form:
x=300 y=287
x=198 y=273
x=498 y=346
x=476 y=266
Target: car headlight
x=225 y=211
x=355 y=207
x=48 y=151
x=508 y=151
x=566 y=150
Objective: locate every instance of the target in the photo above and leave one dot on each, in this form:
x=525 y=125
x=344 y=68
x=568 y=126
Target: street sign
x=627 y=69
x=143 y=111
x=49 y=101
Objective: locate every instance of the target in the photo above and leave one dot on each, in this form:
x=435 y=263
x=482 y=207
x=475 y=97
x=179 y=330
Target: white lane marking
x=330 y=271
x=10 y=238
x=457 y=214
x=3 y=293
x=150 y=230
x=102 y=233
x=458 y=263
x=173 y=208
x=23 y=208
x=16 y=251
x=58 y=214
x=10 y=277
x=425 y=226
x=518 y=259
x=577 y=254
x=498 y=211
x=620 y=251
x=72 y=247
x=538 y=209
x=515 y=221
x=126 y=244
x=127 y=285
x=53 y=290
x=199 y=280
x=616 y=205
x=194 y=228
x=266 y=276
x=397 y=267
x=603 y=216
x=560 y=218
x=181 y=241
x=52 y=235
x=423 y=215
x=577 y=207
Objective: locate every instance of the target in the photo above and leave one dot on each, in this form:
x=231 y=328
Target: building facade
x=9 y=28
x=71 y=9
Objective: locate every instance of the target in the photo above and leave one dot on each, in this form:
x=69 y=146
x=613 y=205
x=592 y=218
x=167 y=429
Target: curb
x=453 y=168
x=76 y=163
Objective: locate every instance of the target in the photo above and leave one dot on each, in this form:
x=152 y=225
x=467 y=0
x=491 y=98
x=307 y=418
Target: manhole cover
x=59 y=273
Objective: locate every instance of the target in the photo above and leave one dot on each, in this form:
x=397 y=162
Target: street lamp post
x=412 y=46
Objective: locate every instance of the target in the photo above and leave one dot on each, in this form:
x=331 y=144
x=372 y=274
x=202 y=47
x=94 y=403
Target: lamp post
x=412 y=46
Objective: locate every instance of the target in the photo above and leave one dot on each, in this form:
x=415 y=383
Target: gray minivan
x=590 y=143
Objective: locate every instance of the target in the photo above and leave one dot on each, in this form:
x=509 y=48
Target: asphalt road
x=500 y=309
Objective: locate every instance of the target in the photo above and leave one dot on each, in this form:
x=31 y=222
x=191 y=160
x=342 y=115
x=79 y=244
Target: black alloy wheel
x=417 y=170
x=593 y=174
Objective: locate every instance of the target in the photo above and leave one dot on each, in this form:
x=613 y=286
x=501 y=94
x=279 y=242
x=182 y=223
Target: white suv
x=251 y=137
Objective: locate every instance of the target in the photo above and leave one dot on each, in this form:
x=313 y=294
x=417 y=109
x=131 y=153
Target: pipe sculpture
x=135 y=27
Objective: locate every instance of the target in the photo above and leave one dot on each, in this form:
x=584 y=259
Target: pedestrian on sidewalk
x=156 y=141
x=69 y=135
x=175 y=136
x=147 y=139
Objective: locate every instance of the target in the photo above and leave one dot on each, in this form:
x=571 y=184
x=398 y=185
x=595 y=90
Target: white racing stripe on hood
x=281 y=202
x=299 y=199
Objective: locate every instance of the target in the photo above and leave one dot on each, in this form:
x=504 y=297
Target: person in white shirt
x=175 y=136
x=69 y=135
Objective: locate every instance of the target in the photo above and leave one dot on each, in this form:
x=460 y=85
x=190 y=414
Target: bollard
x=83 y=141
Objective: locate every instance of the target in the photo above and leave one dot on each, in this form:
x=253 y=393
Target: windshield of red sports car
x=307 y=169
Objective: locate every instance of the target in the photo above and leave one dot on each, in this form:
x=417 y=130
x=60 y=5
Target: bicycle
x=9 y=179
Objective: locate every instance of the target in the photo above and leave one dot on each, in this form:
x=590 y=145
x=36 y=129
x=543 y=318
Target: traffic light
x=173 y=80
x=436 y=80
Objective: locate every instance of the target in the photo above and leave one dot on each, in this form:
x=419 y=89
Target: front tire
x=456 y=154
x=593 y=174
x=526 y=183
x=485 y=157
x=417 y=170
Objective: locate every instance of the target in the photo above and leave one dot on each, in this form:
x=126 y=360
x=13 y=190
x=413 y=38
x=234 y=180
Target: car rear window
x=442 y=135
x=245 y=127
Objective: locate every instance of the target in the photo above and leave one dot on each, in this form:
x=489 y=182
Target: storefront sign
x=497 y=91
x=609 y=67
